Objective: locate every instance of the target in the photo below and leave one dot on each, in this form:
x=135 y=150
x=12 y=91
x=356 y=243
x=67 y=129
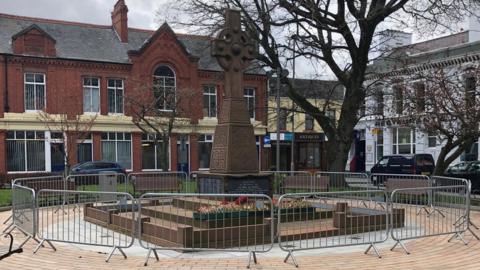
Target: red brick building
x=76 y=69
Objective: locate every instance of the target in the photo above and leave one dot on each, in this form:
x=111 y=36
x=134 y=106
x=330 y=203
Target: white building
x=382 y=132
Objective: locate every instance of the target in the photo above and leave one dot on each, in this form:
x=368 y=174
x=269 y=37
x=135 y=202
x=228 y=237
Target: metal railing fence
x=23 y=209
x=428 y=211
x=160 y=181
x=342 y=181
x=195 y=222
x=331 y=219
x=105 y=219
x=291 y=181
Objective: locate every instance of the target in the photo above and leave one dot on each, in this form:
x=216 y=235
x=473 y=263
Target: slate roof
x=315 y=89
x=79 y=41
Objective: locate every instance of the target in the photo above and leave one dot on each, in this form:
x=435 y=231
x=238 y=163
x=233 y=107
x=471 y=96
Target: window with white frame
x=25 y=151
x=470 y=91
x=403 y=141
x=152 y=154
x=85 y=149
x=398 y=98
x=115 y=96
x=309 y=124
x=432 y=139
x=91 y=95
x=205 y=143
x=164 y=86
x=379 y=100
x=209 y=101
x=249 y=95
x=117 y=147
x=419 y=96
x=34 y=91
x=379 y=144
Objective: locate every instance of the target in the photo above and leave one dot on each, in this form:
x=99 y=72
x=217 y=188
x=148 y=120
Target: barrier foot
x=425 y=209
x=148 y=256
x=471 y=223
x=290 y=254
x=250 y=255
x=401 y=245
x=473 y=233
x=9 y=217
x=7 y=228
x=374 y=249
x=41 y=244
x=435 y=210
x=379 y=204
x=113 y=250
x=458 y=235
x=24 y=242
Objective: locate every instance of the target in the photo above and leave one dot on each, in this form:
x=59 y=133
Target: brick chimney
x=120 y=20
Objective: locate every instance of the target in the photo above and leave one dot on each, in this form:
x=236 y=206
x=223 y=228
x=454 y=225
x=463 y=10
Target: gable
x=164 y=33
x=33 y=41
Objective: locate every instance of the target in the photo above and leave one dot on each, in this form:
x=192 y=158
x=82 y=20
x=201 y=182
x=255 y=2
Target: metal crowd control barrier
x=406 y=206
x=38 y=183
x=450 y=181
x=196 y=222
x=101 y=182
x=331 y=219
x=23 y=211
x=159 y=181
x=291 y=181
x=342 y=181
x=105 y=219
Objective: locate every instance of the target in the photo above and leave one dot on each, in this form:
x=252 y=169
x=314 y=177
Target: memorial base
x=214 y=183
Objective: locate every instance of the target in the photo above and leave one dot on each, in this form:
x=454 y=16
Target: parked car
x=86 y=169
x=423 y=164
x=468 y=170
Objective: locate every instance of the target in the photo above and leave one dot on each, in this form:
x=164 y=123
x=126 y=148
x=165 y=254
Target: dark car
x=95 y=167
x=87 y=172
x=468 y=170
x=403 y=164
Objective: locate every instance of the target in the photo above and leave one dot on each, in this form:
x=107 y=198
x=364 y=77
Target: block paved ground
x=427 y=253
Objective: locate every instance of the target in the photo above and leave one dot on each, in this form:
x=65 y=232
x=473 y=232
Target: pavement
x=426 y=253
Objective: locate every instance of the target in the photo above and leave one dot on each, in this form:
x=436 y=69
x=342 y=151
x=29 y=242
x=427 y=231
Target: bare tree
x=337 y=33
x=71 y=130
x=157 y=111
x=444 y=103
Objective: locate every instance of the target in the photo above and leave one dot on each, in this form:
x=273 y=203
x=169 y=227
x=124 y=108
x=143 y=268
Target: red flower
x=241 y=200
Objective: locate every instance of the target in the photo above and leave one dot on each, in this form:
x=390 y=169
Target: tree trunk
x=440 y=167
x=337 y=155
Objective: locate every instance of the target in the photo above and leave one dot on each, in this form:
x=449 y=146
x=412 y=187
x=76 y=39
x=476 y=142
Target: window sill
x=91 y=113
x=153 y=170
x=33 y=111
x=116 y=114
x=27 y=172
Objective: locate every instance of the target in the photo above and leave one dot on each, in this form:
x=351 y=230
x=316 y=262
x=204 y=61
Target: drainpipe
x=5 y=100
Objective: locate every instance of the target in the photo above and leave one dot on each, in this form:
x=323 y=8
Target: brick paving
x=427 y=253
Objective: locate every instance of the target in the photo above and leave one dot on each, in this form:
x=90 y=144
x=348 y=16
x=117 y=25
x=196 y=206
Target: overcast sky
x=141 y=12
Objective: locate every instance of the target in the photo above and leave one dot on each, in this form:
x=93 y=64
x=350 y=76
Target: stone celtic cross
x=233 y=48
x=234 y=149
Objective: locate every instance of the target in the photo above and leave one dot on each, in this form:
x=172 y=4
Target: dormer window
x=33 y=40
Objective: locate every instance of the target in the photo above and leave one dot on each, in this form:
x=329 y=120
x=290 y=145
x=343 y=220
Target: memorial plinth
x=234 y=161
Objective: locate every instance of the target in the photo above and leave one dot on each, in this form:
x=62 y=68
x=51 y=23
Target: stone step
x=188 y=217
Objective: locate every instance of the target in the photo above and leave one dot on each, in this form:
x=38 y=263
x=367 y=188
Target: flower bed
x=241 y=208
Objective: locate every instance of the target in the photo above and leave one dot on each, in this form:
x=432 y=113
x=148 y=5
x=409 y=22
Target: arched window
x=164 y=85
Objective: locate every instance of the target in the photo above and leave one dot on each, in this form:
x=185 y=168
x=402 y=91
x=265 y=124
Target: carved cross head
x=233 y=48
